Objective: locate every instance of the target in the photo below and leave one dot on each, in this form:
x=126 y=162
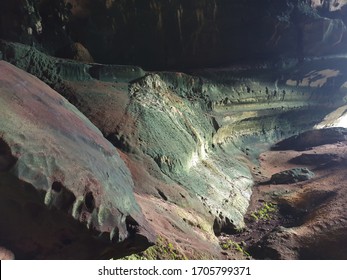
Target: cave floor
x=268 y=209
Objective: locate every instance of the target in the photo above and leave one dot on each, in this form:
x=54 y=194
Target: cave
x=173 y=129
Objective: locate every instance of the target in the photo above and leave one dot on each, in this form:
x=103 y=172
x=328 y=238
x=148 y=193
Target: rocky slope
x=189 y=140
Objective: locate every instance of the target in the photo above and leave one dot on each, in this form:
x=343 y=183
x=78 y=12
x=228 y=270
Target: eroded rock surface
x=65 y=191
x=189 y=140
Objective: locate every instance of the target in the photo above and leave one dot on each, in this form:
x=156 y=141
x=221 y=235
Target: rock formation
x=116 y=154
x=65 y=191
x=191 y=134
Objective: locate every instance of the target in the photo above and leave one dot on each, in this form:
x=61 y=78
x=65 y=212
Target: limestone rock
x=292 y=176
x=53 y=71
x=65 y=191
x=181 y=122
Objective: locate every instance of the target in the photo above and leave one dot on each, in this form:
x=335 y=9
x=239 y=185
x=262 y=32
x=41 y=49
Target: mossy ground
x=162 y=250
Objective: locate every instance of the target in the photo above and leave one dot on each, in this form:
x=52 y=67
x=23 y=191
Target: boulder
x=76 y=51
x=316 y=159
x=312 y=138
x=65 y=193
x=293 y=175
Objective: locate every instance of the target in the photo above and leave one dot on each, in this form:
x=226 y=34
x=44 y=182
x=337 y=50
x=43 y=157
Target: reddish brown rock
x=76 y=51
x=65 y=192
x=313 y=213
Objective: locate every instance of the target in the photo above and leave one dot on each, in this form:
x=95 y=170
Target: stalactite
x=109 y=3
x=215 y=10
x=157 y=8
x=200 y=16
x=179 y=20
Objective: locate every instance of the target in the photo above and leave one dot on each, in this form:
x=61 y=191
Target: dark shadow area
x=32 y=230
x=7 y=160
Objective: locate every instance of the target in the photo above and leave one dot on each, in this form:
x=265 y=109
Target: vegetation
x=264 y=212
x=229 y=244
x=162 y=250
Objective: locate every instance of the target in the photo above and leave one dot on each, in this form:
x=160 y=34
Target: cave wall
x=177 y=34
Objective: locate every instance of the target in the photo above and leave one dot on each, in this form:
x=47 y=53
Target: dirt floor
x=313 y=209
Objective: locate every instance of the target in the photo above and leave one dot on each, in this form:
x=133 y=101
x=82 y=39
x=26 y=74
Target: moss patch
x=162 y=250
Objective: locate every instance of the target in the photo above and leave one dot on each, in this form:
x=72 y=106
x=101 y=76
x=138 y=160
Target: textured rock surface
x=187 y=138
x=294 y=175
x=65 y=191
x=177 y=134
x=153 y=116
x=310 y=220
